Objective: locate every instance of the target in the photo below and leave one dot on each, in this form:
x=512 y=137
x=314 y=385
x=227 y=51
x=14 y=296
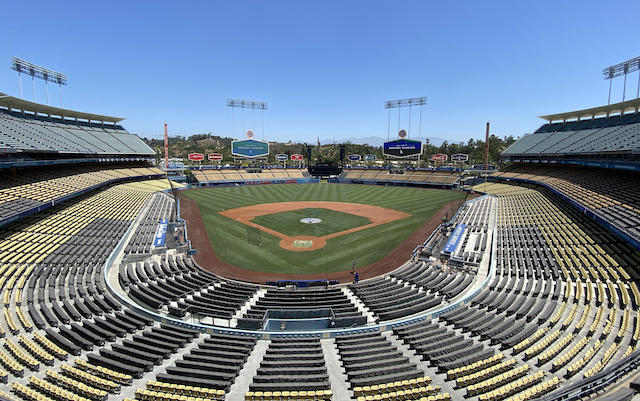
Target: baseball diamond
x=375 y=214
x=383 y=217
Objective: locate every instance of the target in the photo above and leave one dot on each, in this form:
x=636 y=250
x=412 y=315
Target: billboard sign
x=297 y=158
x=439 y=157
x=455 y=239
x=459 y=157
x=196 y=157
x=216 y=157
x=402 y=148
x=281 y=157
x=369 y=158
x=161 y=233
x=355 y=158
x=249 y=148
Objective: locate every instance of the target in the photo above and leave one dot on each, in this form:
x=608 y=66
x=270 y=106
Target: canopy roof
x=15 y=103
x=616 y=108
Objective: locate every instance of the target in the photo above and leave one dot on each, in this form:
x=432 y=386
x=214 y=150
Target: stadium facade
x=529 y=291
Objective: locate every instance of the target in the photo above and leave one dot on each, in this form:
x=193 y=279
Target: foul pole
x=486 y=149
x=166 y=149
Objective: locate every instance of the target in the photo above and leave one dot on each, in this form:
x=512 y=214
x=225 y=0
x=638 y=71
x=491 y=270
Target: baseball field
x=313 y=228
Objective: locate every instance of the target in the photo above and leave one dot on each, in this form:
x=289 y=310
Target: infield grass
x=331 y=222
x=229 y=237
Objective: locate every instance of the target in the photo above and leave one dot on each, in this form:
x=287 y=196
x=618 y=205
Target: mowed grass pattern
x=288 y=223
x=229 y=237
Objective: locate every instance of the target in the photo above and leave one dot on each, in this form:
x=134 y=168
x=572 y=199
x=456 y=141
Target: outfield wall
x=392 y=183
x=255 y=182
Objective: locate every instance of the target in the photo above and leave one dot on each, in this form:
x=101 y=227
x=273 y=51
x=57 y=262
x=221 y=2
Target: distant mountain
x=377 y=141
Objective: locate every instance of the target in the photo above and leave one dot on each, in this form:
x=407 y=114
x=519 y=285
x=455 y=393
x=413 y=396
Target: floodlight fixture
x=400 y=103
x=624 y=68
x=408 y=102
x=246 y=104
x=35 y=71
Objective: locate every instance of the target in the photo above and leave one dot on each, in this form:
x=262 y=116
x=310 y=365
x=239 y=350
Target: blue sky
x=324 y=67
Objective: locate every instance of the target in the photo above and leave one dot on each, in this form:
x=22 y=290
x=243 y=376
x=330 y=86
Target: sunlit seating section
x=612 y=194
x=225 y=174
x=568 y=279
x=27 y=188
x=436 y=177
x=419 y=388
x=51 y=277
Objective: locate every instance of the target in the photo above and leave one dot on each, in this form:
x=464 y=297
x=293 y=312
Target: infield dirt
x=376 y=214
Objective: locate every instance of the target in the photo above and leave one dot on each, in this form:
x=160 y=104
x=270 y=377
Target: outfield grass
x=229 y=237
x=332 y=222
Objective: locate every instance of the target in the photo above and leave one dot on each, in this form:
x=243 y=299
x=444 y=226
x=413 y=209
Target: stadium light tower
x=400 y=103
x=624 y=68
x=246 y=104
x=35 y=71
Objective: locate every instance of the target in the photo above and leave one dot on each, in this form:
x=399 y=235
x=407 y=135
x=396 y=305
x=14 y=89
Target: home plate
x=310 y=220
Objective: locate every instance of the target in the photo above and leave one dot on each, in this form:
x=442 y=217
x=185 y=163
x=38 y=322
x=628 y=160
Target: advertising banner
x=456 y=237
x=439 y=157
x=459 y=157
x=161 y=233
x=249 y=148
x=402 y=148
